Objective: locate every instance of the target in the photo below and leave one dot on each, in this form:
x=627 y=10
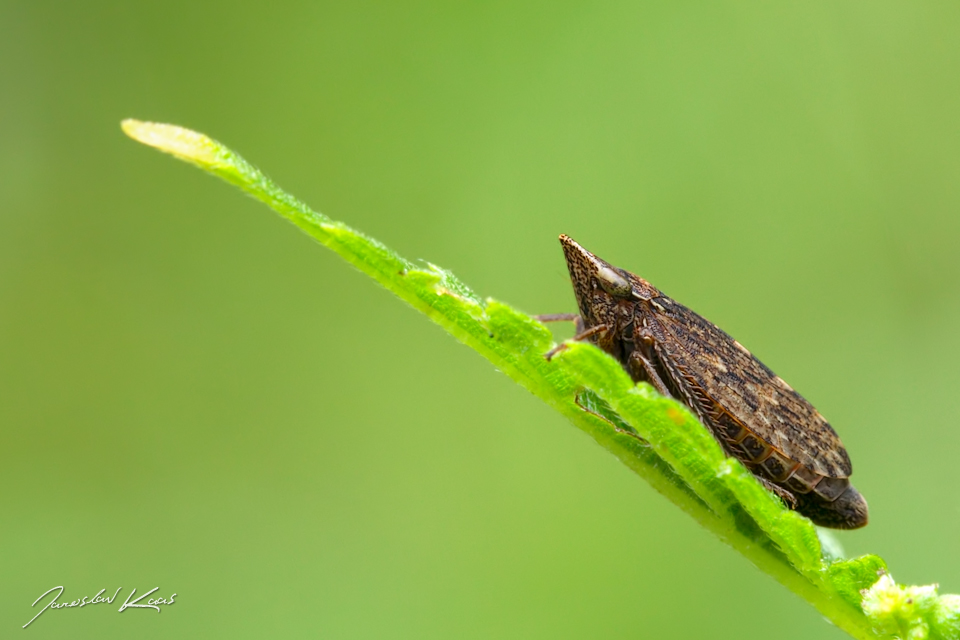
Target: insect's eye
x=613 y=283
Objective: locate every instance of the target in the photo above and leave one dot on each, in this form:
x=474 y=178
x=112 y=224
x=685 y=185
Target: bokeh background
x=195 y=396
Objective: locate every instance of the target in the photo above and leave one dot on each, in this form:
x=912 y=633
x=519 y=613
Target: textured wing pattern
x=752 y=393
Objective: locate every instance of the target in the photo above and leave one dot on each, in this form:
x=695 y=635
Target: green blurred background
x=195 y=396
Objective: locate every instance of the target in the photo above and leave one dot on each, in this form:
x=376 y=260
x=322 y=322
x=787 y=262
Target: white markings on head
x=613 y=283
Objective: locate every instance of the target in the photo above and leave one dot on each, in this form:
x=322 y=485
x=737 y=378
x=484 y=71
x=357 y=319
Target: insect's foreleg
x=575 y=318
x=582 y=335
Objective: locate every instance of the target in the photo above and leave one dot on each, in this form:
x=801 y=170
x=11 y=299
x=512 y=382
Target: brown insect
x=757 y=417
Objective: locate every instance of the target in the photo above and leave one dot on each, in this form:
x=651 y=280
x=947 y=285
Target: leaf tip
x=179 y=142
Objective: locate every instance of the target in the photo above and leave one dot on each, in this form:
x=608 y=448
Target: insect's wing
x=748 y=390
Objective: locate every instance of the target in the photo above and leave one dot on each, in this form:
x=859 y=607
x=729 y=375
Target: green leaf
x=658 y=438
x=850 y=577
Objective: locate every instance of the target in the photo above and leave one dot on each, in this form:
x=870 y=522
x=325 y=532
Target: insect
x=754 y=415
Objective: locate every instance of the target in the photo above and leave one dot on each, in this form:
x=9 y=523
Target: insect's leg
x=589 y=402
x=557 y=317
x=575 y=318
x=788 y=498
x=583 y=335
x=642 y=368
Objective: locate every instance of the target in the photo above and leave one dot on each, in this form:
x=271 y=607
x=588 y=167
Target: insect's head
x=588 y=271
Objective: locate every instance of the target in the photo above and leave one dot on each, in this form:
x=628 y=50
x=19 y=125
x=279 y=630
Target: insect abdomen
x=761 y=456
x=826 y=500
